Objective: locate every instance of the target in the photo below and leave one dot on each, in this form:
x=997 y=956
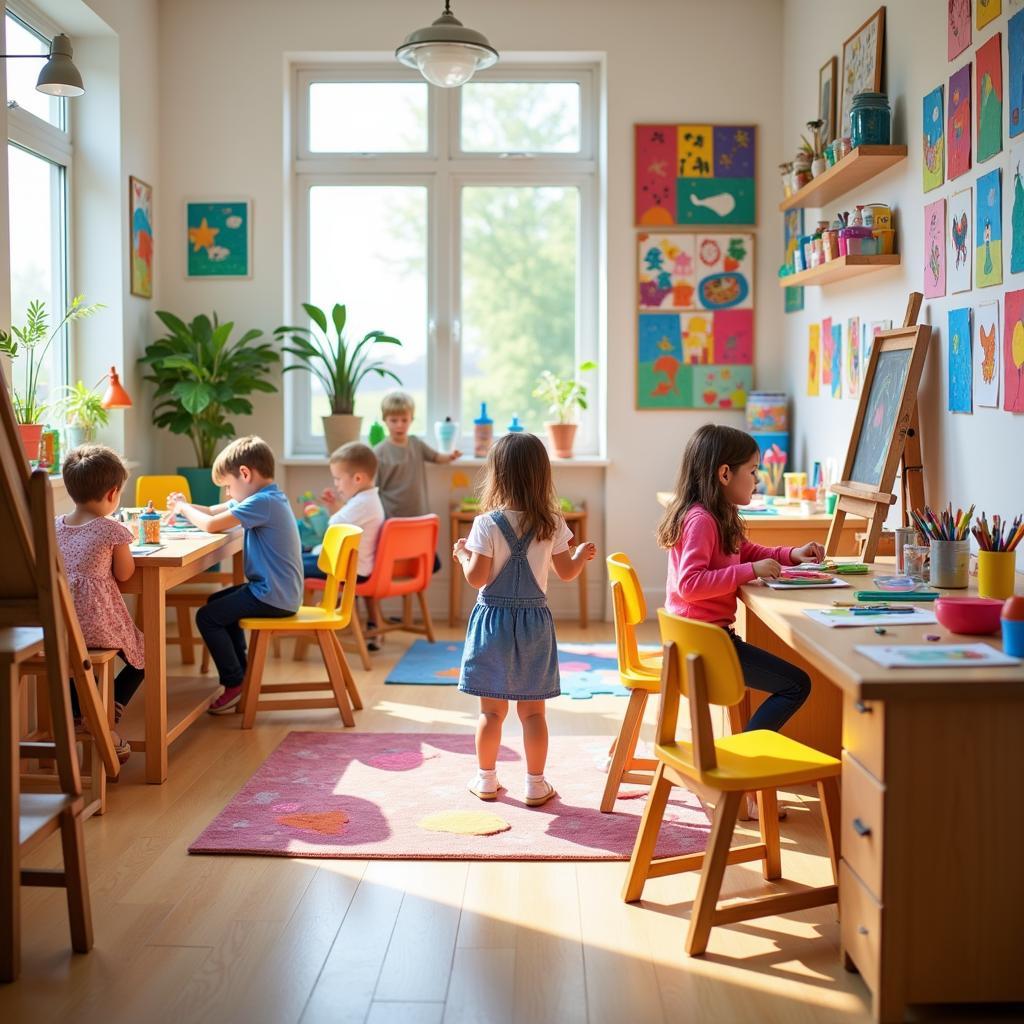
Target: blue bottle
x=515 y=427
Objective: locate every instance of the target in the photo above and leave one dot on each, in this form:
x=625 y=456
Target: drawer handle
x=861 y=930
x=862 y=707
x=860 y=828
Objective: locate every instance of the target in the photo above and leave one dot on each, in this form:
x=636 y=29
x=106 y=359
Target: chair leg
x=768 y=819
x=428 y=624
x=335 y=674
x=647 y=836
x=254 y=677
x=186 y=639
x=624 y=747
x=76 y=881
x=10 y=854
x=714 y=869
x=301 y=648
x=350 y=683
x=275 y=645
x=97 y=773
x=407 y=610
x=204 y=666
x=828 y=792
x=357 y=631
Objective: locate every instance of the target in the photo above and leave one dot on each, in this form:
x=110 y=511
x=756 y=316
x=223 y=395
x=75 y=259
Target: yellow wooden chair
x=642 y=676
x=156 y=488
x=338 y=558
x=700 y=663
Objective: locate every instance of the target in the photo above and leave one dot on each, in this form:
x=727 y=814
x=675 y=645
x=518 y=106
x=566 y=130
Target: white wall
x=967 y=458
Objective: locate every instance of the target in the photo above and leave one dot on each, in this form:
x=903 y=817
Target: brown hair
x=91 y=471
x=356 y=457
x=517 y=476
x=252 y=451
x=698 y=484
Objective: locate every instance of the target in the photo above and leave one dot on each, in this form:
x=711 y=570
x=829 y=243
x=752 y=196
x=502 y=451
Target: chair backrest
x=339 y=559
x=404 y=560
x=629 y=608
x=156 y=488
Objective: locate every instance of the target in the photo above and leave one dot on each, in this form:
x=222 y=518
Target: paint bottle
x=149 y=525
x=515 y=427
x=483 y=433
x=446 y=431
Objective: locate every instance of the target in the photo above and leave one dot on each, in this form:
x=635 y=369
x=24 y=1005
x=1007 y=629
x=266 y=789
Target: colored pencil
x=1000 y=535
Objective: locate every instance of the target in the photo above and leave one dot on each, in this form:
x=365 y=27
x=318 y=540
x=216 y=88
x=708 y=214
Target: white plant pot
x=339 y=430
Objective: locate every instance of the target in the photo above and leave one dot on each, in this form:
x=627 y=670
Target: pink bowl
x=976 y=615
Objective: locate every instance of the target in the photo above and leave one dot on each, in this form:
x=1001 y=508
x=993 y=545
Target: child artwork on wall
x=988 y=231
x=989 y=77
x=960 y=360
x=933 y=136
x=667 y=271
x=219 y=238
x=792 y=232
x=958 y=124
x=851 y=364
x=958 y=27
x=985 y=358
x=1013 y=353
x=1017 y=208
x=141 y=200
x=958 y=241
x=1015 y=76
x=827 y=344
x=813 y=359
x=986 y=11
x=837 y=361
x=935 y=249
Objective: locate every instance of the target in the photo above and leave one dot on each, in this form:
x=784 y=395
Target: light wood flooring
x=248 y=939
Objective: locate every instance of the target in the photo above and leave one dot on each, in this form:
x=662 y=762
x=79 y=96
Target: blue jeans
x=788 y=685
x=218 y=625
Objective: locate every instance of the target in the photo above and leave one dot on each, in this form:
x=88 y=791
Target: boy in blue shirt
x=272 y=552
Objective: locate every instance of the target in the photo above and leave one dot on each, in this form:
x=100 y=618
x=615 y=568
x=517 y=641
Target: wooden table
x=183 y=556
x=931 y=888
x=460 y=519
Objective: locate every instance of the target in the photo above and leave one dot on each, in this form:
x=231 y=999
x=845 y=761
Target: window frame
x=445 y=170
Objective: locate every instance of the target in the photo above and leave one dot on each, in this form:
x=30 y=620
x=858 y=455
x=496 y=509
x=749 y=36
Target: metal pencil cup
x=950 y=560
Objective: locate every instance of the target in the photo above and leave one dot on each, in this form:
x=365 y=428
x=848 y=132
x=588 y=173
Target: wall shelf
x=854 y=169
x=840 y=269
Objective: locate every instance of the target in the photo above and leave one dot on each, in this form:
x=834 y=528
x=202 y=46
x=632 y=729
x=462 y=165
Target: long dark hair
x=517 y=476
x=698 y=484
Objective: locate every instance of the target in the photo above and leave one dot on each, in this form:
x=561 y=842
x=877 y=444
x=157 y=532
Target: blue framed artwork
x=218 y=238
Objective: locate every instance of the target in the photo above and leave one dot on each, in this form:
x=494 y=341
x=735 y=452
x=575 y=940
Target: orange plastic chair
x=339 y=558
x=642 y=676
x=700 y=663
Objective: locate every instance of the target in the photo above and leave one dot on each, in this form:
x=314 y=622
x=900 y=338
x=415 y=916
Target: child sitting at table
x=96 y=555
x=273 y=558
x=710 y=559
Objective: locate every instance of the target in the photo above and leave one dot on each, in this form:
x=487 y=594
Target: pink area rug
x=379 y=795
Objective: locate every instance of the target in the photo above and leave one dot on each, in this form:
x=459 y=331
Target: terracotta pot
x=339 y=430
x=31 y=435
x=561 y=436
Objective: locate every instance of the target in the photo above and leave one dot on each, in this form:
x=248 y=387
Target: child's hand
x=585 y=552
x=455 y=455
x=173 y=499
x=767 y=569
x=330 y=498
x=458 y=548
x=810 y=552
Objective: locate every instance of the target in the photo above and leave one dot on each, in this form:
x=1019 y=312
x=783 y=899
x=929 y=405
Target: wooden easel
x=873 y=503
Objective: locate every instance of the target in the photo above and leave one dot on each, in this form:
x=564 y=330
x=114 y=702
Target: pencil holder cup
x=996 y=571
x=950 y=561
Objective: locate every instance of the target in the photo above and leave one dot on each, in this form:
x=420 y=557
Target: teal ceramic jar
x=870 y=119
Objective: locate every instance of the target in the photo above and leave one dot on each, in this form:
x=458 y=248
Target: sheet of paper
x=959 y=656
x=805 y=584
x=833 y=617
x=144 y=549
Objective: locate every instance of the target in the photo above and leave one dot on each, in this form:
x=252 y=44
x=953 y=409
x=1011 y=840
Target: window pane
x=368 y=251
x=521 y=117
x=368 y=117
x=518 y=297
x=22 y=74
x=35 y=186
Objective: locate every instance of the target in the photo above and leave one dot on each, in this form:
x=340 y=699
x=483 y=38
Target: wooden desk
x=460 y=519
x=931 y=892
x=183 y=556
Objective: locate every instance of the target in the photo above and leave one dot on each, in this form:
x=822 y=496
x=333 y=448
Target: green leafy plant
x=339 y=367
x=31 y=343
x=201 y=377
x=563 y=395
x=81 y=407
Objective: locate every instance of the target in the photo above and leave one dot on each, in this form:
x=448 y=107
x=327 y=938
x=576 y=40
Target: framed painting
x=218 y=238
x=140 y=220
x=827 y=98
x=862 y=64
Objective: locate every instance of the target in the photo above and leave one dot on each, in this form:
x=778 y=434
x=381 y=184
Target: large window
x=463 y=222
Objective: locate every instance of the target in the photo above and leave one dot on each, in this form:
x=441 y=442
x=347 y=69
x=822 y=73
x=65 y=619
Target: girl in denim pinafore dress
x=510 y=651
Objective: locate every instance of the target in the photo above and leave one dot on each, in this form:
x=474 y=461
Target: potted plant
x=82 y=410
x=563 y=398
x=339 y=368
x=33 y=341
x=817 y=146
x=201 y=378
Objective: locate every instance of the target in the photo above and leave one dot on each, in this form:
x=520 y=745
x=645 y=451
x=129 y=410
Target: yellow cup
x=794 y=484
x=996 y=571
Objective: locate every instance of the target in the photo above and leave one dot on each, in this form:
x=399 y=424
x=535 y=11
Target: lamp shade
x=59 y=76
x=447 y=53
x=115 y=396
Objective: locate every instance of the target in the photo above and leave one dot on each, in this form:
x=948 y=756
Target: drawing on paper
x=988 y=231
x=959 y=344
x=935 y=249
x=958 y=240
x=989 y=72
x=958 y=124
x=985 y=357
x=933 y=138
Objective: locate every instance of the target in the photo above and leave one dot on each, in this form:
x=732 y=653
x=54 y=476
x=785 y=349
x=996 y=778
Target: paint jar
x=794 y=484
x=996 y=571
x=149 y=526
x=483 y=433
x=950 y=564
x=870 y=119
x=903 y=535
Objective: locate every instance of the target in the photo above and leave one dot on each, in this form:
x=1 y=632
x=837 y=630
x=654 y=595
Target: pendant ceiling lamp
x=447 y=53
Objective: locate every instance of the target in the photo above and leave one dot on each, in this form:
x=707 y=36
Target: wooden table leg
x=10 y=853
x=154 y=690
x=455 y=579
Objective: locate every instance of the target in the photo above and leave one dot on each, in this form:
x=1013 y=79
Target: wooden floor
x=248 y=939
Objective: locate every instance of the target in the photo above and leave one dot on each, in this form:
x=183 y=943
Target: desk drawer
x=864 y=733
x=861 y=832
x=860 y=924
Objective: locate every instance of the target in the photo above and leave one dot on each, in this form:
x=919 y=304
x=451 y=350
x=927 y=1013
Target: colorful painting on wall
x=1013 y=353
x=140 y=217
x=851 y=364
x=959 y=28
x=837 y=361
x=958 y=124
x=862 y=64
x=695 y=175
x=827 y=344
x=958 y=241
x=986 y=11
x=960 y=360
x=988 y=231
x=1015 y=77
x=989 y=76
x=935 y=249
x=219 y=238
x=792 y=232
x=1017 y=209
x=813 y=359
x=985 y=360
x=933 y=136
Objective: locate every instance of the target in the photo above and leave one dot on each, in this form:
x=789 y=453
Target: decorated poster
x=837 y=361
x=958 y=27
x=1015 y=73
x=827 y=344
x=813 y=359
x=851 y=361
x=792 y=232
x=935 y=249
x=873 y=330
x=933 y=137
x=1017 y=208
x=141 y=200
x=219 y=239
x=989 y=77
x=1013 y=353
x=958 y=240
x=988 y=231
x=958 y=124
x=960 y=360
x=986 y=11
x=985 y=357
